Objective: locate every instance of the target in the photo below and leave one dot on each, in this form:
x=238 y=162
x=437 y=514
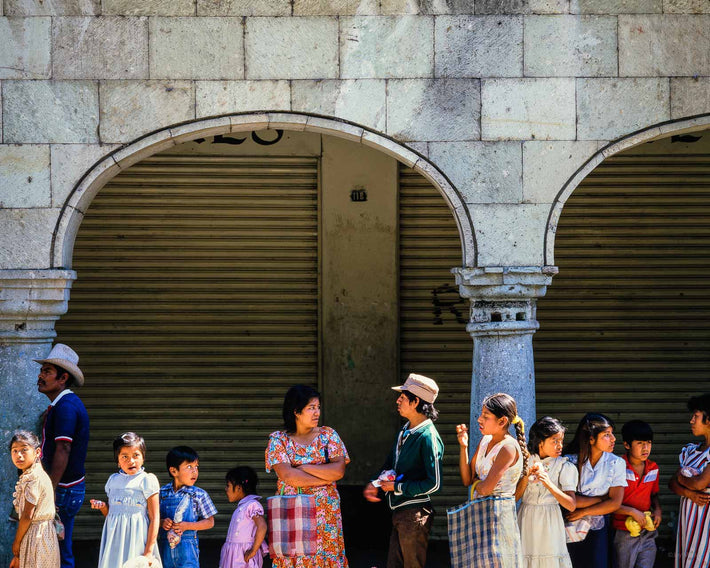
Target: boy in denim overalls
x=198 y=511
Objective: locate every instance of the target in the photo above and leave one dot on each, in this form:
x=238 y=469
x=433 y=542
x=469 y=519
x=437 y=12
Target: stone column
x=30 y=302
x=503 y=306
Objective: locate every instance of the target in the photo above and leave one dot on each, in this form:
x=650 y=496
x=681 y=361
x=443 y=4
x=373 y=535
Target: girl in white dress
x=133 y=510
x=552 y=482
x=500 y=460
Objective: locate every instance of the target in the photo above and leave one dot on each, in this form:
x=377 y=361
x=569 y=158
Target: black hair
x=423 y=407
x=26 y=438
x=503 y=405
x=244 y=477
x=128 y=439
x=180 y=455
x=637 y=430
x=296 y=399
x=71 y=379
x=700 y=403
x=541 y=431
x=589 y=427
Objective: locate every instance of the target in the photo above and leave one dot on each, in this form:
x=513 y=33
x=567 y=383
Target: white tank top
x=506 y=485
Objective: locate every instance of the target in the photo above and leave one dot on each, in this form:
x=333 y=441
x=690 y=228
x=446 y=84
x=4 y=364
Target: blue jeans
x=185 y=555
x=68 y=501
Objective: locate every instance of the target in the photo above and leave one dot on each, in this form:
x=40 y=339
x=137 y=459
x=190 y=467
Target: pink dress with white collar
x=241 y=534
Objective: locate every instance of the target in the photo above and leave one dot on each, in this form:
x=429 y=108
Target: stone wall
x=508 y=97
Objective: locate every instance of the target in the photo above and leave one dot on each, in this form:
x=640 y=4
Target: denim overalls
x=187 y=553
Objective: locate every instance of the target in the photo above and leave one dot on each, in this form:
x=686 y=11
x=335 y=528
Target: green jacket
x=416 y=459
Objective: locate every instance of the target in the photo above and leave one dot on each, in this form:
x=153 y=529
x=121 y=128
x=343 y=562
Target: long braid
x=520 y=435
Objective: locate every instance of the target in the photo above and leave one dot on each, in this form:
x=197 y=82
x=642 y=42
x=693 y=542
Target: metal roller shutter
x=624 y=328
x=433 y=318
x=195 y=308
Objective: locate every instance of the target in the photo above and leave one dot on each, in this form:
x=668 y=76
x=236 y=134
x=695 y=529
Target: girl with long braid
x=500 y=460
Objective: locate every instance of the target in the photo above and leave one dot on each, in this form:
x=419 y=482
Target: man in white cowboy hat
x=415 y=465
x=65 y=437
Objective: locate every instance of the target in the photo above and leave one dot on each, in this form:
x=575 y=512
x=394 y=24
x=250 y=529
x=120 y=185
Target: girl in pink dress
x=245 y=546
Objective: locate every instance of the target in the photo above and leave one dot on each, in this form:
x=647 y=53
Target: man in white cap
x=415 y=460
x=65 y=437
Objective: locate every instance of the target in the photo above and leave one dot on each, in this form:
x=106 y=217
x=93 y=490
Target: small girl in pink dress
x=245 y=546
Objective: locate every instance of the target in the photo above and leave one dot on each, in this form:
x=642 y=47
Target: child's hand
x=15 y=562
x=96 y=504
x=387 y=486
x=542 y=476
x=699 y=498
x=370 y=493
x=178 y=528
x=656 y=517
x=249 y=554
x=638 y=516
x=576 y=515
x=462 y=435
x=167 y=524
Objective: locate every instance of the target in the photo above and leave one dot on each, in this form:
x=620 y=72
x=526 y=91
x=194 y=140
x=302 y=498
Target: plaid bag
x=292 y=525
x=483 y=533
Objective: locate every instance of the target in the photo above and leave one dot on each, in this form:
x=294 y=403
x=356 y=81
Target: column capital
x=30 y=302
x=503 y=298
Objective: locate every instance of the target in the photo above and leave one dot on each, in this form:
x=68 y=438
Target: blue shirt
x=201 y=506
x=66 y=420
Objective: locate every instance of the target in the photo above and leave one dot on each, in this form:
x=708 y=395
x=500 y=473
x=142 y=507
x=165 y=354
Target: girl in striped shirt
x=691 y=482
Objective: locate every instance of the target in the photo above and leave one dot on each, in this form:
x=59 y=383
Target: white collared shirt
x=59 y=396
x=610 y=471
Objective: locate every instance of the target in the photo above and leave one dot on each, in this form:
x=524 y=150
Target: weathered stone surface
x=523 y=109
x=149 y=7
x=434 y=109
x=24 y=176
x=421 y=147
x=25 y=48
x=26 y=237
x=609 y=108
x=680 y=46
x=49 y=111
x=689 y=96
x=52 y=7
x=521 y=6
x=292 y=48
x=196 y=48
x=100 y=48
x=224 y=97
x=569 y=46
x=243 y=8
x=547 y=165
x=616 y=6
x=480 y=46
x=510 y=235
x=484 y=172
x=130 y=109
x=363 y=101
x=386 y=47
x=336 y=7
x=70 y=162
x=433 y=7
x=686 y=7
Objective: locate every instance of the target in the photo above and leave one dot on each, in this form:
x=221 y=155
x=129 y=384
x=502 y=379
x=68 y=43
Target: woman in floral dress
x=311 y=458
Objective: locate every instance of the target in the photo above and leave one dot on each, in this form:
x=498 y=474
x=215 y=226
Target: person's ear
x=173 y=471
x=627 y=446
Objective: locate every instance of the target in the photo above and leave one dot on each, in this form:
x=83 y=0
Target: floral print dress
x=327 y=444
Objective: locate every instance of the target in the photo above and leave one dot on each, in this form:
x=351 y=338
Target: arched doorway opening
x=624 y=327
x=218 y=272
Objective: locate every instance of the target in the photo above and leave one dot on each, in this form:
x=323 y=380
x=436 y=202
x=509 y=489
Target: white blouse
x=610 y=471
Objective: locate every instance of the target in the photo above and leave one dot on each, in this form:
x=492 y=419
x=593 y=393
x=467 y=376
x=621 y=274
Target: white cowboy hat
x=65 y=357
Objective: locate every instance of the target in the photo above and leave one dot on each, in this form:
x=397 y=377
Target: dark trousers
x=593 y=551
x=410 y=537
x=68 y=501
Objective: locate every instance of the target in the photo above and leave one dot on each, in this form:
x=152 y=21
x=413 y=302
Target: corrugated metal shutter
x=624 y=328
x=433 y=318
x=195 y=308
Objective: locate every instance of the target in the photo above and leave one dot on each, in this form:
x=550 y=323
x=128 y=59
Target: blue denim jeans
x=635 y=552
x=68 y=501
x=185 y=555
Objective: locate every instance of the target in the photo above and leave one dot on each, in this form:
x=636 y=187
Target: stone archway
x=90 y=184
x=654 y=132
